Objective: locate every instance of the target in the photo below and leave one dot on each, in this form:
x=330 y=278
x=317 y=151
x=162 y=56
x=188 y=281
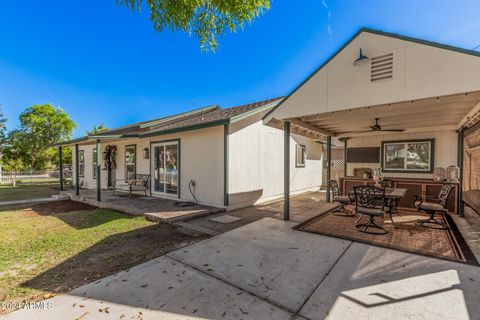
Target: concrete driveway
x=266 y=270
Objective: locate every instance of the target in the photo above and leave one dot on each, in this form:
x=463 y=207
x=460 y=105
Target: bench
x=135 y=182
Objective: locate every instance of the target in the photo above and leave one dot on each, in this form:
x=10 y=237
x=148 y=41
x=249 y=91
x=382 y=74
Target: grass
x=43 y=254
x=22 y=192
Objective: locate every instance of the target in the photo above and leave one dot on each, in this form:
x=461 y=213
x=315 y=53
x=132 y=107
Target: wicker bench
x=135 y=182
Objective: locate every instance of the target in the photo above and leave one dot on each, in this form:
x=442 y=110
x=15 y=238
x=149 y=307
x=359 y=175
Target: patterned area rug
x=406 y=236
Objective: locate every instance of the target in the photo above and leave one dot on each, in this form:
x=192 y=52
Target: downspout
x=329 y=164
x=60 y=165
x=77 y=175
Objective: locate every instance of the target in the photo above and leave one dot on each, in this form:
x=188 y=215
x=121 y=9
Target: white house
x=233 y=159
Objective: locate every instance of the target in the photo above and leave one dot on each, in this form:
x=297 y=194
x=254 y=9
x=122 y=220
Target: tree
x=11 y=156
x=206 y=19
x=3 y=129
x=40 y=127
x=101 y=128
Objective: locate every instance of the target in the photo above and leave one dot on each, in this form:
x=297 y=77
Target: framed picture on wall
x=408 y=156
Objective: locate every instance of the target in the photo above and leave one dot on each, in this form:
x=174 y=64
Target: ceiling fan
x=376 y=127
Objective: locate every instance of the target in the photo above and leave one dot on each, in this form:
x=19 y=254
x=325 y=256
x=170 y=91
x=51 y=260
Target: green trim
x=69 y=142
x=135 y=156
x=286 y=171
x=188 y=128
x=77 y=176
x=226 y=130
x=377 y=32
x=432 y=156
x=99 y=177
x=179 y=171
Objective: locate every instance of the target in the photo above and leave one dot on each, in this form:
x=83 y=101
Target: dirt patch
x=52 y=208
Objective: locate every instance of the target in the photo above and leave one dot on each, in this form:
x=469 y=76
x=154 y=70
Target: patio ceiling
x=433 y=114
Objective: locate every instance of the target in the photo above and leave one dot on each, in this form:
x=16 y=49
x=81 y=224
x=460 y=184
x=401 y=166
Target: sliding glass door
x=165 y=168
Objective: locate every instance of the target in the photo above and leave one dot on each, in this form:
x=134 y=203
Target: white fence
x=34 y=177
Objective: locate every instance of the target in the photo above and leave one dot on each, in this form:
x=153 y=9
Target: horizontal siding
x=256 y=164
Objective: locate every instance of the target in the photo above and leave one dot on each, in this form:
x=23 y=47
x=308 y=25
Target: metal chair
x=370 y=201
x=342 y=200
x=435 y=205
x=388 y=183
x=391 y=203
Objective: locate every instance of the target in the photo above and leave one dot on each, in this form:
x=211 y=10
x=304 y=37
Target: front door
x=165 y=169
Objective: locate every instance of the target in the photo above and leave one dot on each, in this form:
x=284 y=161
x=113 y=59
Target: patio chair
x=342 y=200
x=370 y=201
x=434 y=205
x=135 y=182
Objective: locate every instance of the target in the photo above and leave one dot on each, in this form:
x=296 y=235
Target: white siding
x=201 y=159
x=419 y=71
x=445 y=150
x=256 y=164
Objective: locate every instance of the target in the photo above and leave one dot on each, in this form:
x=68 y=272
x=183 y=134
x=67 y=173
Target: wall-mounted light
x=146 y=153
x=361 y=60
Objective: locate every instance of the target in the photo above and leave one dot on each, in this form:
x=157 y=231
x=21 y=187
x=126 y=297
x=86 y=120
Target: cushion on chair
x=428 y=206
x=342 y=199
x=370 y=211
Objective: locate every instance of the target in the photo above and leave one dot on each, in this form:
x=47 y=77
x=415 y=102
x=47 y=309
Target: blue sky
x=102 y=63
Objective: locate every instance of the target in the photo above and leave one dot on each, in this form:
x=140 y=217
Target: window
x=81 y=163
x=300 y=156
x=130 y=161
x=408 y=156
x=95 y=162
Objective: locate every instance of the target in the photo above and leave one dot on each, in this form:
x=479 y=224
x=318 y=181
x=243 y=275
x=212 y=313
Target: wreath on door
x=110 y=157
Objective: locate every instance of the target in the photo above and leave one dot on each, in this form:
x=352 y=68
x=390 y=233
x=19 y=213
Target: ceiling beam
x=475 y=110
x=310 y=127
x=412 y=130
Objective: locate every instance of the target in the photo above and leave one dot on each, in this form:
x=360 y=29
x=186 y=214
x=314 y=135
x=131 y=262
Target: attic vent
x=381 y=68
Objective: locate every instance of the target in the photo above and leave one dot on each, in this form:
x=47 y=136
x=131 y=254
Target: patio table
x=394 y=194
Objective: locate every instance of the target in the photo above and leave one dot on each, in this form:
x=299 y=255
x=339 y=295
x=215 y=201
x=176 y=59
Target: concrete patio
x=155 y=209
x=266 y=270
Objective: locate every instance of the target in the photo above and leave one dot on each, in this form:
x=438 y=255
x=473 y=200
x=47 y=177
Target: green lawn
x=44 y=253
x=22 y=191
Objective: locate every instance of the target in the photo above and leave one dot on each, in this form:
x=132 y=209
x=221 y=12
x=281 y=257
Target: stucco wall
x=256 y=164
x=445 y=150
x=201 y=161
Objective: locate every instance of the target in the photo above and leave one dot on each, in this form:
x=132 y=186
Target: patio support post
x=286 y=171
x=329 y=164
x=77 y=175
x=345 y=145
x=60 y=167
x=99 y=191
x=460 y=165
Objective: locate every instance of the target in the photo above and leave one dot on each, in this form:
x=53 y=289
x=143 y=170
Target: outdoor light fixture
x=146 y=153
x=362 y=59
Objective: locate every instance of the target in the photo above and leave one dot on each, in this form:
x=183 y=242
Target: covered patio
x=401 y=109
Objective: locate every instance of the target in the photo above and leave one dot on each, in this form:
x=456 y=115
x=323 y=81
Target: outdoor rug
x=407 y=237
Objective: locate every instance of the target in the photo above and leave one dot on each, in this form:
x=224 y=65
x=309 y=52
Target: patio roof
x=428 y=86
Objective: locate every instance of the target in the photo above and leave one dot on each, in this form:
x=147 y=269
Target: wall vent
x=381 y=68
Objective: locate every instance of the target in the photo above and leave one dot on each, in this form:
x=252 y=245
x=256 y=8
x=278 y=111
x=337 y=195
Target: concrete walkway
x=266 y=270
x=4 y=204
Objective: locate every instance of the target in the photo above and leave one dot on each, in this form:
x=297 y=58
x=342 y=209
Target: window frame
x=134 y=146
x=81 y=163
x=406 y=143
x=304 y=155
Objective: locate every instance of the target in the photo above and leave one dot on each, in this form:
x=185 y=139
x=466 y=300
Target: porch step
x=183 y=214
